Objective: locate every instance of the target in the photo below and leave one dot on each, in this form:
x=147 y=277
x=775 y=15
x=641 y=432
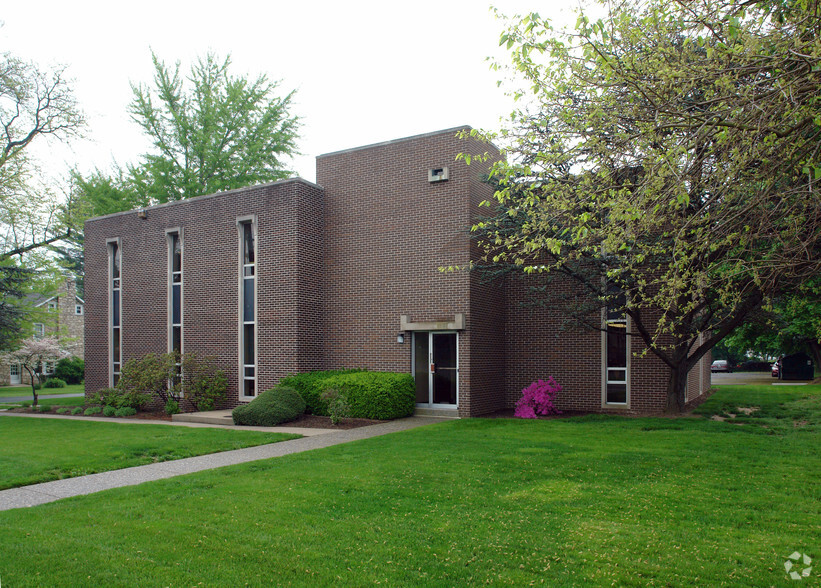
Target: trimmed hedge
x=310 y=386
x=272 y=407
x=375 y=395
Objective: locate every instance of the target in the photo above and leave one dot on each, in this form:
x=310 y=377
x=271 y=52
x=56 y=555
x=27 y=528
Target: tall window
x=615 y=351
x=247 y=296
x=39 y=330
x=114 y=297
x=175 y=296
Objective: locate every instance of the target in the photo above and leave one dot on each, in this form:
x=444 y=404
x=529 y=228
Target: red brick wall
x=289 y=249
x=388 y=230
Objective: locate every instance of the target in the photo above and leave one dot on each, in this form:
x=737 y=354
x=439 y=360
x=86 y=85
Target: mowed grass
x=40 y=449
x=588 y=501
x=20 y=391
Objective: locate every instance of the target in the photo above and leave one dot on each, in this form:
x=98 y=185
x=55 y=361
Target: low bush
x=338 y=407
x=70 y=369
x=537 y=399
x=77 y=410
x=172 y=407
x=44 y=408
x=109 y=411
x=272 y=407
x=54 y=383
x=375 y=395
x=125 y=411
x=92 y=410
x=203 y=385
x=64 y=410
x=310 y=386
x=131 y=397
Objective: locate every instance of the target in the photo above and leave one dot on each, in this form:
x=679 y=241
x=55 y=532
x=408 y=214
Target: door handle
x=432 y=368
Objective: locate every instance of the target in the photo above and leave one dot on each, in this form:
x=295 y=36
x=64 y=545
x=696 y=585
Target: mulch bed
x=311 y=421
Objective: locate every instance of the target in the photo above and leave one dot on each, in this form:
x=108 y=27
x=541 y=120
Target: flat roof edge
x=296 y=179
x=394 y=141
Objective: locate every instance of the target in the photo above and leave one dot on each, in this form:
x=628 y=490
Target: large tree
x=666 y=160
x=35 y=105
x=223 y=132
x=210 y=131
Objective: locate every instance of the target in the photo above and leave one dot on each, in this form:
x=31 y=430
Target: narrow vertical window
x=175 y=298
x=615 y=351
x=247 y=296
x=116 y=328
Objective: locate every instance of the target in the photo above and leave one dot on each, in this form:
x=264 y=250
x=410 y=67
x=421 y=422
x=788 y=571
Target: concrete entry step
x=211 y=417
x=441 y=413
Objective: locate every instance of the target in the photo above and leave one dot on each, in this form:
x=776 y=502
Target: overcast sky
x=363 y=71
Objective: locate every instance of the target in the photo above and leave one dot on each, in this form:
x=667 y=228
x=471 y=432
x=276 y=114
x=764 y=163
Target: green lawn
x=39 y=450
x=12 y=391
x=571 y=502
x=71 y=401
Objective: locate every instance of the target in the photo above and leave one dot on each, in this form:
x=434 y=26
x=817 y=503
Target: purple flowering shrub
x=538 y=399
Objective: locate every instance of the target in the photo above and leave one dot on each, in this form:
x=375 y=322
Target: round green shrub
x=92 y=410
x=77 y=410
x=125 y=411
x=376 y=395
x=63 y=410
x=109 y=411
x=272 y=407
x=54 y=383
x=70 y=370
x=43 y=408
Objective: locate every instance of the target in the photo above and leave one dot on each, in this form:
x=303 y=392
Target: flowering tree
x=33 y=354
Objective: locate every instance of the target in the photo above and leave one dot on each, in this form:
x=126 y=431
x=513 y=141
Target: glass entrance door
x=435 y=368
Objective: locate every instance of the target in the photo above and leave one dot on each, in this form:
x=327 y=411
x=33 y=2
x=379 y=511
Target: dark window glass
x=248 y=339
x=176 y=253
x=115 y=310
x=421 y=369
x=115 y=345
x=616 y=393
x=248 y=299
x=248 y=271
x=248 y=243
x=176 y=339
x=116 y=379
x=249 y=372
x=616 y=345
x=250 y=388
x=444 y=350
x=115 y=265
x=176 y=305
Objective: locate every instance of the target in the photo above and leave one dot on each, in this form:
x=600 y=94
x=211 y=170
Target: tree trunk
x=815 y=348
x=33 y=386
x=676 y=389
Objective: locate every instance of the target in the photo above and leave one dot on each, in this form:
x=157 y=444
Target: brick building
x=294 y=276
x=59 y=314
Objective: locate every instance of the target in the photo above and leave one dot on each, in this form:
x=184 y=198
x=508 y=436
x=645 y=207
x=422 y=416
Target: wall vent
x=438 y=174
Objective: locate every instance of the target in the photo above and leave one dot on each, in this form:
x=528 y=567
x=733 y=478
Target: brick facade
x=339 y=263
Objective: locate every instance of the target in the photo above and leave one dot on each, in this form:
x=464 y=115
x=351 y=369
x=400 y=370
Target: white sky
x=364 y=71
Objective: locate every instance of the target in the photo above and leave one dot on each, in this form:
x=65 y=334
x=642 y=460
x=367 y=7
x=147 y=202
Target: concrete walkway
x=51 y=491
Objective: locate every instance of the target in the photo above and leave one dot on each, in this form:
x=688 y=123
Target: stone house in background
x=295 y=276
x=61 y=314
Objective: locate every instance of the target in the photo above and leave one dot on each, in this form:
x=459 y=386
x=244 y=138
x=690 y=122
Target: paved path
x=51 y=491
x=13 y=399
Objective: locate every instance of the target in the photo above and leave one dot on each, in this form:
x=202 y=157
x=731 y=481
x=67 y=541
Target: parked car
x=775 y=369
x=720 y=365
